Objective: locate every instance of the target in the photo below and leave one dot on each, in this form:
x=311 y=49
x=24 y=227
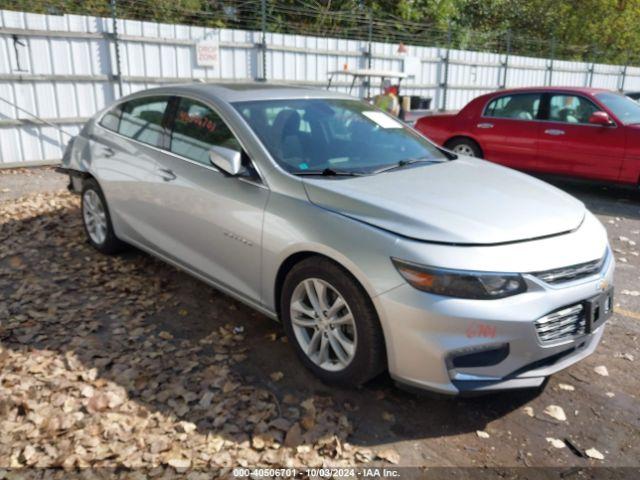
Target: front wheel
x=330 y=321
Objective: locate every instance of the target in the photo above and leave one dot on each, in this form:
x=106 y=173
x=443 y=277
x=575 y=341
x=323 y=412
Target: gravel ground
x=126 y=362
x=18 y=182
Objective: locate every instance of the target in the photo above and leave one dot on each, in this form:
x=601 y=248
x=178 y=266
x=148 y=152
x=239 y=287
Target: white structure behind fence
x=63 y=69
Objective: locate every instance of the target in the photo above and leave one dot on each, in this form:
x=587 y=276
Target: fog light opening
x=479 y=356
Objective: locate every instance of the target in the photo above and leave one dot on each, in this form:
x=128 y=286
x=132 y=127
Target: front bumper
x=423 y=332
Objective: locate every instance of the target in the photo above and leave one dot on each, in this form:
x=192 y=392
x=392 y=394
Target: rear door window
x=196 y=128
x=142 y=120
x=522 y=106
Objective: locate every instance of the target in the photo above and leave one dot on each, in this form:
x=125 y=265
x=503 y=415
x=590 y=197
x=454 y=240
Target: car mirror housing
x=226 y=159
x=600 y=118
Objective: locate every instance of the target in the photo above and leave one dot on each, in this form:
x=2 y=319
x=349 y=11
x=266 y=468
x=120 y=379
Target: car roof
x=583 y=90
x=240 y=92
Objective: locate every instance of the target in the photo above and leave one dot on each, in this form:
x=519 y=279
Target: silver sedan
x=375 y=248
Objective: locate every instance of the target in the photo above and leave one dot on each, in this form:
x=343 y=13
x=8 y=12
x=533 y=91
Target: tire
x=96 y=219
x=366 y=358
x=464 y=146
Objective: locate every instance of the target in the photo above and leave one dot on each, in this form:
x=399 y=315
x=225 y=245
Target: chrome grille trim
x=562 y=324
x=573 y=272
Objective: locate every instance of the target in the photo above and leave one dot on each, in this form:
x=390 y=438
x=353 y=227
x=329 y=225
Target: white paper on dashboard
x=381 y=119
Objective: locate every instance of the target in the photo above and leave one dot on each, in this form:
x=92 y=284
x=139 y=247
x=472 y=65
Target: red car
x=579 y=132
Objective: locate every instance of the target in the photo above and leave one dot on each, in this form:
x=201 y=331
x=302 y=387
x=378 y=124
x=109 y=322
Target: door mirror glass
x=600 y=118
x=226 y=159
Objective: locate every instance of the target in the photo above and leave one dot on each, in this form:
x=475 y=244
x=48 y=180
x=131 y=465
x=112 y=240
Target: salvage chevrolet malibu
x=374 y=247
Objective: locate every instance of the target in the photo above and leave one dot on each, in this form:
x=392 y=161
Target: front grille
x=573 y=272
x=568 y=322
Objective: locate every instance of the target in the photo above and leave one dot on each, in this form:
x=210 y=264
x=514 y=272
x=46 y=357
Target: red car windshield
x=622 y=107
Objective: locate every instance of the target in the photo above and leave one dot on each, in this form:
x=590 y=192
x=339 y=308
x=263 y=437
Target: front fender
x=294 y=225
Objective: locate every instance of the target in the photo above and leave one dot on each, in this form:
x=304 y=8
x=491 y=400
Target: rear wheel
x=330 y=321
x=464 y=146
x=97 y=221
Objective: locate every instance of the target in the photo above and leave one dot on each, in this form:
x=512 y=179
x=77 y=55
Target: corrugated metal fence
x=63 y=68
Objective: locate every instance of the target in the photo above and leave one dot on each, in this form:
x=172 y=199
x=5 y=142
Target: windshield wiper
x=329 y=172
x=403 y=163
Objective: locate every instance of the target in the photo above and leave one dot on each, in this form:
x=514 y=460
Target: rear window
x=141 y=120
x=523 y=106
x=111 y=119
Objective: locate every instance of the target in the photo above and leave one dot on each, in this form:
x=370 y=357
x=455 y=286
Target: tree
x=592 y=30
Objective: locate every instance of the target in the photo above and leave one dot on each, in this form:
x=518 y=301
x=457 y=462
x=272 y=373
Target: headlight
x=461 y=283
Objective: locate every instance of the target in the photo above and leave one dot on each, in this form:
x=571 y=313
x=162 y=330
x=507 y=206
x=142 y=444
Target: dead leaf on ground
x=389 y=454
x=557 y=412
x=277 y=376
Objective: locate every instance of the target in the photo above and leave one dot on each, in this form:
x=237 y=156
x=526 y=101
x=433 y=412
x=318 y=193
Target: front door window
x=196 y=129
x=571 y=109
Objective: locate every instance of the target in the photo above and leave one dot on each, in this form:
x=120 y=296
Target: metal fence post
x=445 y=62
x=552 y=55
x=505 y=64
x=591 y=67
x=263 y=41
x=623 y=74
x=590 y=70
x=369 y=53
x=623 y=78
x=116 y=44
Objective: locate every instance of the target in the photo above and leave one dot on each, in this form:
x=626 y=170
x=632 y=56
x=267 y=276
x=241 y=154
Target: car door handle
x=109 y=152
x=167 y=175
x=485 y=125
x=554 y=131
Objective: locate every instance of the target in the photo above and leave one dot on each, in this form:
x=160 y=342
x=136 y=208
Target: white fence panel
x=567 y=73
x=526 y=71
x=607 y=76
x=632 y=79
x=472 y=74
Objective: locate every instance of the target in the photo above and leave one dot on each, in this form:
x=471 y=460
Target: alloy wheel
x=95 y=216
x=323 y=324
x=464 y=149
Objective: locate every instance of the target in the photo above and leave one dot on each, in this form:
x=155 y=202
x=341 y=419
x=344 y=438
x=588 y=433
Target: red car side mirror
x=600 y=118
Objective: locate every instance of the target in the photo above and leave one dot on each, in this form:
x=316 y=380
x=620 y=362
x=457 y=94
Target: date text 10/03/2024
x=316 y=472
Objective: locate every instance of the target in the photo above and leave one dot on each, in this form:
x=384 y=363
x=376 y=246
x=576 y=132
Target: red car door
x=570 y=145
x=508 y=130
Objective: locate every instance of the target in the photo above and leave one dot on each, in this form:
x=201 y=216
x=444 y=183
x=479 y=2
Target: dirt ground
x=127 y=362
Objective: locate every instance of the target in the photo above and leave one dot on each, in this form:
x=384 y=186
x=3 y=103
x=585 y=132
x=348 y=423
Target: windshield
x=622 y=107
x=314 y=135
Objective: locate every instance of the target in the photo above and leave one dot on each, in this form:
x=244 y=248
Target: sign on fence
x=208 y=53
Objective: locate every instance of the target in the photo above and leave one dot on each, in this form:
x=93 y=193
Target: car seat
x=287 y=137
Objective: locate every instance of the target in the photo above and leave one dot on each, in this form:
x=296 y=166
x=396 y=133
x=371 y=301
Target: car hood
x=464 y=201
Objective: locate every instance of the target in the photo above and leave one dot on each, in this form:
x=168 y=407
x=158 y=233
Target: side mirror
x=226 y=159
x=600 y=118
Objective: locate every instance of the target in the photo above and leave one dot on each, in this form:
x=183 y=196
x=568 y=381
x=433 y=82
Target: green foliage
x=592 y=30
x=598 y=30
